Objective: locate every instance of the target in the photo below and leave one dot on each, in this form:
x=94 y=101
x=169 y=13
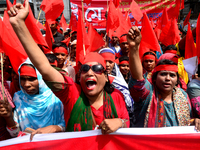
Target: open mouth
x=91 y=84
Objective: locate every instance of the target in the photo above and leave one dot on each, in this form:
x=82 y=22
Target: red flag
x=152 y=23
x=49 y=36
x=171 y=34
x=14 y=2
x=9 y=4
x=63 y=23
x=173 y=12
x=73 y=22
x=186 y=21
x=149 y=40
x=128 y=18
x=52 y=8
x=123 y=27
x=11 y=44
x=82 y=40
x=87 y=1
x=1 y=27
x=31 y=24
x=94 y=37
x=190 y=49
x=113 y=18
x=116 y=2
x=136 y=11
x=164 y=18
x=198 y=38
x=40 y=26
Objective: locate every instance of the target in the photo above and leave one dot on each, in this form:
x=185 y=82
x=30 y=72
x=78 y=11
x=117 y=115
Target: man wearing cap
x=115 y=43
x=58 y=37
x=124 y=47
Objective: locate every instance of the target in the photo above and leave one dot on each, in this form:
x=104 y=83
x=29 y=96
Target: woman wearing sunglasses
x=91 y=104
x=160 y=103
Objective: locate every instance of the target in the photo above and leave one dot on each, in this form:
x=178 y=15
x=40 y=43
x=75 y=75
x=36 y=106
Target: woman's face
x=29 y=84
x=92 y=83
x=166 y=81
x=61 y=57
x=149 y=64
x=124 y=69
x=109 y=66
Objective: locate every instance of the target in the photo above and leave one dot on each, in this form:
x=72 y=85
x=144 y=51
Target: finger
x=27 y=5
x=12 y=11
x=32 y=134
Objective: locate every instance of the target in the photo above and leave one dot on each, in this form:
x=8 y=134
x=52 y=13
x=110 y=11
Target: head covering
x=60 y=50
x=151 y=56
x=27 y=71
x=169 y=56
x=107 y=54
x=73 y=42
x=38 y=110
x=114 y=34
x=171 y=51
x=95 y=57
x=123 y=39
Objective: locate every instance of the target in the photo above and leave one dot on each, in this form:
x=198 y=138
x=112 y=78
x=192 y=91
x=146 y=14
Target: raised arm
x=18 y=14
x=134 y=38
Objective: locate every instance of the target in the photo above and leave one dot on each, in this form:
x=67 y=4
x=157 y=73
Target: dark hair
x=51 y=58
x=149 y=53
x=171 y=47
x=163 y=62
x=123 y=35
x=122 y=58
x=109 y=88
x=198 y=72
x=59 y=44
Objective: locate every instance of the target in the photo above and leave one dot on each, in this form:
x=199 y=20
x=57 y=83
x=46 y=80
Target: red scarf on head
x=27 y=71
x=60 y=50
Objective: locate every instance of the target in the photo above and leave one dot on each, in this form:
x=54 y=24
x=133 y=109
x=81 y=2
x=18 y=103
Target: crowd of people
x=113 y=87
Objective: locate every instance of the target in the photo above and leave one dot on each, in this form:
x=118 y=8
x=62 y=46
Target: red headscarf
x=27 y=71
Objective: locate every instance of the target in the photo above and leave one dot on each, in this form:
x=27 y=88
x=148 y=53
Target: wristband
x=122 y=122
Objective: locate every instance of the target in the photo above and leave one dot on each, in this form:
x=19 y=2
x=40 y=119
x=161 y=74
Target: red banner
x=126 y=138
x=95 y=11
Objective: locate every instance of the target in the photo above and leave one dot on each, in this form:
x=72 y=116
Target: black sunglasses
x=95 y=68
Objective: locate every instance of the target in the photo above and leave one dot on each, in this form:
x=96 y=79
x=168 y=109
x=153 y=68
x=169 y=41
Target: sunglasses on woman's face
x=95 y=68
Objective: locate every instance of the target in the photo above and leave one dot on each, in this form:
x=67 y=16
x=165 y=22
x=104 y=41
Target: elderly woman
x=91 y=104
x=160 y=103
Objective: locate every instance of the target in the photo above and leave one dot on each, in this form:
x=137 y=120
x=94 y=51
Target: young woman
x=94 y=100
x=160 y=103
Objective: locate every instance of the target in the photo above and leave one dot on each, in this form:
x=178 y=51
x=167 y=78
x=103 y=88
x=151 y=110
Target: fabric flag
x=35 y=32
x=176 y=138
x=112 y=19
x=128 y=18
x=116 y=2
x=49 y=36
x=11 y=44
x=123 y=27
x=190 y=49
x=63 y=23
x=94 y=37
x=149 y=40
x=101 y=22
x=9 y=4
x=136 y=12
x=173 y=12
x=40 y=26
x=87 y=1
x=186 y=21
x=14 y=2
x=170 y=34
x=152 y=23
x=198 y=38
x=164 y=18
x=1 y=27
x=82 y=40
x=52 y=8
x=73 y=23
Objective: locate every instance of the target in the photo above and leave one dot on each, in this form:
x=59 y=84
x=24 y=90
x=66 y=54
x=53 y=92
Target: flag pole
x=39 y=14
x=107 y=40
x=84 y=25
x=2 y=81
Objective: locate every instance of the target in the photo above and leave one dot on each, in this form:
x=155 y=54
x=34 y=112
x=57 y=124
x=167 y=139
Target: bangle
x=122 y=122
x=13 y=127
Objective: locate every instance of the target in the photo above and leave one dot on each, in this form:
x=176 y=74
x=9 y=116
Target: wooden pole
x=2 y=82
x=39 y=15
x=83 y=11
